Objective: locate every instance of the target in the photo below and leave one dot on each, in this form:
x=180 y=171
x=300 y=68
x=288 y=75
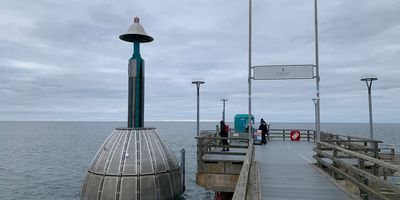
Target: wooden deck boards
x=287 y=173
x=224 y=157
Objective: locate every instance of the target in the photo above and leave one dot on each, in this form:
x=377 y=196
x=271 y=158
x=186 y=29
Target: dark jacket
x=223 y=132
x=263 y=127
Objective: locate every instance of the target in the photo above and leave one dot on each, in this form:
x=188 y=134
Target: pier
x=336 y=167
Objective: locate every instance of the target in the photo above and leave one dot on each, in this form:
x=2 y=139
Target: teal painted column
x=136 y=35
x=136 y=89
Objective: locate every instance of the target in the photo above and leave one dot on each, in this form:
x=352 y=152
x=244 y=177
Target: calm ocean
x=49 y=160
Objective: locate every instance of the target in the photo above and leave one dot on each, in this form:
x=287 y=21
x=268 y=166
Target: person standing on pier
x=224 y=135
x=264 y=129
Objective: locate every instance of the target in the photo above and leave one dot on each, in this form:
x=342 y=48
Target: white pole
x=249 y=78
x=317 y=79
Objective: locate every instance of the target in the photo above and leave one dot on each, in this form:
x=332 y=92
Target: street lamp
x=368 y=80
x=223 y=110
x=317 y=77
x=249 y=70
x=198 y=82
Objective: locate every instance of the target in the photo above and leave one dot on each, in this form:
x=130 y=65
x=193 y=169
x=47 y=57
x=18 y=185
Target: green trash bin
x=241 y=121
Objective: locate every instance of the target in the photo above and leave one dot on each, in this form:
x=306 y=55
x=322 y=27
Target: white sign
x=278 y=72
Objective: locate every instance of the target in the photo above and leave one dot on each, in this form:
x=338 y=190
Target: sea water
x=49 y=160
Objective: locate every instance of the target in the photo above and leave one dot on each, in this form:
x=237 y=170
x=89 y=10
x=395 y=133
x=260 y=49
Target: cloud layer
x=62 y=60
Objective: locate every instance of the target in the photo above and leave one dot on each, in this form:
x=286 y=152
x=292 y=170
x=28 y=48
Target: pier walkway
x=287 y=172
x=331 y=168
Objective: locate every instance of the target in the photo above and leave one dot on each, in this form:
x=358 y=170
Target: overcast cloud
x=62 y=60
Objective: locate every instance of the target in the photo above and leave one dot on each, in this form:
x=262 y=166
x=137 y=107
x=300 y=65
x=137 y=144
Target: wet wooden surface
x=224 y=155
x=287 y=172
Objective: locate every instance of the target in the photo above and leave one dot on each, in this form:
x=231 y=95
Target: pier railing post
x=199 y=154
x=348 y=144
x=183 y=168
x=315 y=135
x=363 y=194
x=366 y=146
x=216 y=141
x=375 y=149
x=335 y=164
x=284 y=135
x=376 y=155
x=319 y=147
x=361 y=165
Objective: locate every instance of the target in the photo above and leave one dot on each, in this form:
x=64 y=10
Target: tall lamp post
x=249 y=62
x=368 y=80
x=317 y=78
x=223 y=110
x=198 y=83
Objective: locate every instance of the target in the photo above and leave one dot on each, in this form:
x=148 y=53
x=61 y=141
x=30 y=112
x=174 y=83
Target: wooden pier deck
x=332 y=168
x=287 y=171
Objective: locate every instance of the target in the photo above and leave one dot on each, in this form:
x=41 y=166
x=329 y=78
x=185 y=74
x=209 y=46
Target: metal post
x=249 y=78
x=199 y=141
x=198 y=83
x=371 y=130
x=316 y=117
x=368 y=80
x=317 y=79
x=198 y=110
x=183 y=168
x=223 y=113
x=223 y=110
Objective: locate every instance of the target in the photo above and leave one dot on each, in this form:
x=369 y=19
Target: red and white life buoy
x=295 y=135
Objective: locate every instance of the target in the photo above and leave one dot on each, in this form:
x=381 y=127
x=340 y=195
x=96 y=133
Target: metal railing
x=284 y=134
x=242 y=186
x=209 y=141
x=356 y=160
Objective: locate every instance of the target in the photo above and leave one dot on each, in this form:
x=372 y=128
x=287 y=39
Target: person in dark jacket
x=264 y=129
x=224 y=134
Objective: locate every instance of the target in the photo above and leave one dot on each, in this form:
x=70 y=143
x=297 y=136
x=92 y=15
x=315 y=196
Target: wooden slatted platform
x=287 y=172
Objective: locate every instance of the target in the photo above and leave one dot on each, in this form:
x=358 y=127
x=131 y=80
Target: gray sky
x=62 y=60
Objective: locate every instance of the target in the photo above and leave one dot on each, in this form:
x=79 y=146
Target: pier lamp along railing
x=368 y=80
x=223 y=108
x=198 y=82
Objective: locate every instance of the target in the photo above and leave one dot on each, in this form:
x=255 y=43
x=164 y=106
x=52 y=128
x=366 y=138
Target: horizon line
x=207 y=121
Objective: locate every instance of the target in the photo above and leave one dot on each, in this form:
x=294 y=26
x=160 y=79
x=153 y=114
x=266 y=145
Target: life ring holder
x=295 y=135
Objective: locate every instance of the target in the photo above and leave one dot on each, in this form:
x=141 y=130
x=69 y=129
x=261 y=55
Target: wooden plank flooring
x=287 y=173
x=224 y=157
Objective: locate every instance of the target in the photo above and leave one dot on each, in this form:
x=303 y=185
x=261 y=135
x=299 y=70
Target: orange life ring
x=295 y=135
